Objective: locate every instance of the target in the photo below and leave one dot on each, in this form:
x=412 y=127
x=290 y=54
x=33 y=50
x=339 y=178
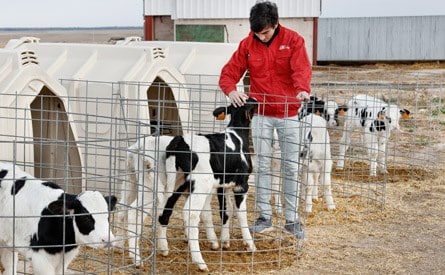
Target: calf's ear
x=59 y=207
x=405 y=113
x=342 y=110
x=220 y=113
x=111 y=201
x=251 y=103
x=3 y=173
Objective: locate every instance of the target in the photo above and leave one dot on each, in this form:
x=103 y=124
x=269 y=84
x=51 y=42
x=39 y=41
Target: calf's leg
x=344 y=144
x=193 y=207
x=325 y=181
x=241 y=212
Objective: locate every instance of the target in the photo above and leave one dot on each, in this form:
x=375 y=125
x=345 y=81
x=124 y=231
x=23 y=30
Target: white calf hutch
x=70 y=112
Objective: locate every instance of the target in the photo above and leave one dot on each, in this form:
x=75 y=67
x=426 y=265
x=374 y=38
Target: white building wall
x=159 y=7
x=219 y=9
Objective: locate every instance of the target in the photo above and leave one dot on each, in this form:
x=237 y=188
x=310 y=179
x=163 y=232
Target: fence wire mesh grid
x=82 y=141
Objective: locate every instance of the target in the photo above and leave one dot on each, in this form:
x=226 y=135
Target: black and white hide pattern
x=377 y=119
x=45 y=224
x=326 y=109
x=317 y=161
x=162 y=168
x=149 y=193
x=201 y=164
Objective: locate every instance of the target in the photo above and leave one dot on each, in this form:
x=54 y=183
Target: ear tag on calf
x=381 y=116
x=221 y=116
x=405 y=115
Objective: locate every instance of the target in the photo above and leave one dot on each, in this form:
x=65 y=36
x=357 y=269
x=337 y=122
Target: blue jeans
x=289 y=133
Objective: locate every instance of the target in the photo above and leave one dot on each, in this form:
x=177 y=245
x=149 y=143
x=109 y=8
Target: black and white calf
x=45 y=224
x=326 y=109
x=148 y=190
x=377 y=119
x=204 y=163
x=197 y=166
x=317 y=161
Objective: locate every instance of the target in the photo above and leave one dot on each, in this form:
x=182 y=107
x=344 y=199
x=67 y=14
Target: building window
x=200 y=33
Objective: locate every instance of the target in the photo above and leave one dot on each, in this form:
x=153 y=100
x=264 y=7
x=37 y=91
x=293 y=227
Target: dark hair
x=263 y=15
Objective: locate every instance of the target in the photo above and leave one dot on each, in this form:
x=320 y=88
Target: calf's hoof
x=215 y=246
x=250 y=247
x=382 y=171
x=226 y=244
x=203 y=267
x=163 y=252
x=141 y=267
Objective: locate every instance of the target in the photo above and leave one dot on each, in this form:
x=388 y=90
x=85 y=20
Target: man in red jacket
x=280 y=76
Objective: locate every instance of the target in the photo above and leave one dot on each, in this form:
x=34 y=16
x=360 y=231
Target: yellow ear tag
x=221 y=116
x=405 y=115
x=380 y=117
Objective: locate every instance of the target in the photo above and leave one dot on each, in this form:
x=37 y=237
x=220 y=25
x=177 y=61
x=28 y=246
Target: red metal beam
x=315 y=42
x=148 y=28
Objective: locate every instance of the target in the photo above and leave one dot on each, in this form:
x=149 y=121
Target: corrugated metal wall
x=159 y=7
x=217 y=9
x=412 y=38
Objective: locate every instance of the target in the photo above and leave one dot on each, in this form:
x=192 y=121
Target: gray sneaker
x=295 y=228
x=261 y=225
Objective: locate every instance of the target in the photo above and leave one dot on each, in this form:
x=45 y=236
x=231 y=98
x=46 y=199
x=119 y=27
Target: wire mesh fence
x=81 y=142
x=412 y=151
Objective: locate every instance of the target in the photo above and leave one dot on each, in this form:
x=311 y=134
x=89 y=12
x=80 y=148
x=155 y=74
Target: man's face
x=266 y=34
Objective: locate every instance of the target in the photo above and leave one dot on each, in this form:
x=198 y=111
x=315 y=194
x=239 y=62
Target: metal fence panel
x=413 y=38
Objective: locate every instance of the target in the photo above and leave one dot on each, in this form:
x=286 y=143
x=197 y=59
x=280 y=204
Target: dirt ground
x=406 y=237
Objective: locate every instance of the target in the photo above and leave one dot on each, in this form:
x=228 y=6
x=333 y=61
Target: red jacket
x=278 y=72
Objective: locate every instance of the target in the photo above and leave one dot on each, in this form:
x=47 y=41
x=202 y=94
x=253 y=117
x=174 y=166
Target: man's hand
x=303 y=96
x=238 y=98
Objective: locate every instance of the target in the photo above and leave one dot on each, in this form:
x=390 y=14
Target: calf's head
x=395 y=114
x=330 y=113
x=239 y=116
x=313 y=106
x=90 y=211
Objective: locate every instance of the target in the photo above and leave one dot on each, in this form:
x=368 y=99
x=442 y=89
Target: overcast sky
x=99 y=13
